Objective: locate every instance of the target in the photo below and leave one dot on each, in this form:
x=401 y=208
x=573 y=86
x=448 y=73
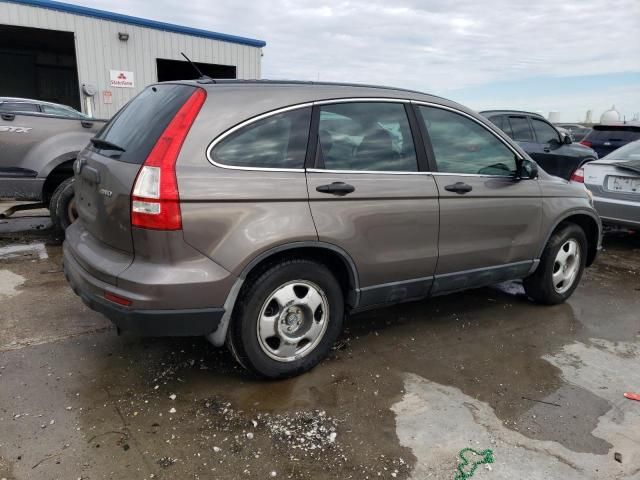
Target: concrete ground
x=404 y=390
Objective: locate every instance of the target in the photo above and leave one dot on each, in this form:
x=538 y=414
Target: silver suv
x=260 y=213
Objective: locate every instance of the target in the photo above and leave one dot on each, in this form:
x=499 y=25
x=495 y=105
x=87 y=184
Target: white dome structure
x=609 y=116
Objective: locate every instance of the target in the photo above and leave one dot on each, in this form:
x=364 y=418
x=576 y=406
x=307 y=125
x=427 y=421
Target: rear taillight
x=578 y=175
x=586 y=143
x=155 y=201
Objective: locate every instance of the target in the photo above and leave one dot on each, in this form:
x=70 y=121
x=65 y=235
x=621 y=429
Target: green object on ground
x=487 y=457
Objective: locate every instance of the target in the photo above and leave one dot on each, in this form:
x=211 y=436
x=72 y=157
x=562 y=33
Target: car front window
x=463 y=146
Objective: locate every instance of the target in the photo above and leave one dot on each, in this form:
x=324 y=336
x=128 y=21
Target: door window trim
x=246 y=123
x=420 y=138
x=312 y=135
x=429 y=147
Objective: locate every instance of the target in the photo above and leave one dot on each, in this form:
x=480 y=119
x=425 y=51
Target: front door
x=489 y=221
x=369 y=197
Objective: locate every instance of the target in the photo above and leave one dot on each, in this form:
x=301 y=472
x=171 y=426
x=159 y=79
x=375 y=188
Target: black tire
x=61 y=206
x=242 y=337
x=540 y=286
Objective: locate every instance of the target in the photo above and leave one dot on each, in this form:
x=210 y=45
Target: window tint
x=544 y=132
x=278 y=141
x=520 y=129
x=139 y=124
x=463 y=146
x=18 y=107
x=366 y=136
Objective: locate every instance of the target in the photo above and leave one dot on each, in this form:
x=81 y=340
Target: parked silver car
x=259 y=213
x=614 y=181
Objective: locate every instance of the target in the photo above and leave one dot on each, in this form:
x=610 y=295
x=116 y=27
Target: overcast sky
x=538 y=55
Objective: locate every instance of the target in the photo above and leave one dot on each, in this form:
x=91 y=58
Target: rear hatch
x=604 y=139
x=106 y=170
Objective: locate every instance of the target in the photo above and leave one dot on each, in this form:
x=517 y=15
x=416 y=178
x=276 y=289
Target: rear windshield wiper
x=104 y=144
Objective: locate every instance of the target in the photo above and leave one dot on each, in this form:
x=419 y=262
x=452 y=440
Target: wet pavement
x=404 y=390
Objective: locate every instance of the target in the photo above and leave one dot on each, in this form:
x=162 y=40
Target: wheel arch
x=588 y=222
x=58 y=170
x=334 y=257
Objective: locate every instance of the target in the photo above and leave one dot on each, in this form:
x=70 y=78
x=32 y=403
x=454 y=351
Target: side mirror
x=527 y=170
x=567 y=140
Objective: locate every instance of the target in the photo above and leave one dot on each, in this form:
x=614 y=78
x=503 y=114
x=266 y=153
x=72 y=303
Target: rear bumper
x=147 y=322
x=618 y=212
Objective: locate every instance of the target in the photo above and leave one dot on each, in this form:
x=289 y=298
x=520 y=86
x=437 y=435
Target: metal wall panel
x=99 y=50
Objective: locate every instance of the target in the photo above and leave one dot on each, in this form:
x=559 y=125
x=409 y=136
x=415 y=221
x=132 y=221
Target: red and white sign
x=121 y=79
x=107 y=96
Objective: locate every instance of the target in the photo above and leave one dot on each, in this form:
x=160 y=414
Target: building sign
x=107 y=96
x=121 y=79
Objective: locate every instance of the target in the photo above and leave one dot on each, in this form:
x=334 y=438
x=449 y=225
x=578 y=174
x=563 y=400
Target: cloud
x=435 y=46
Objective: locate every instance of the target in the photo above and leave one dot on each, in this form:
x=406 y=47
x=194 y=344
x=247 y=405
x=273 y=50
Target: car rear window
x=18 y=107
x=624 y=133
x=139 y=124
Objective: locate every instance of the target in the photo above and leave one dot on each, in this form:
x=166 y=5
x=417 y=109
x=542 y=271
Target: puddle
x=437 y=421
x=36 y=250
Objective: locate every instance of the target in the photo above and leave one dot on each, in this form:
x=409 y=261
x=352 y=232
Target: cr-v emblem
x=105 y=192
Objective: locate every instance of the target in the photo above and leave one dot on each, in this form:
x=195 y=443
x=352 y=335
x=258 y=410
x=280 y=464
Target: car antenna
x=203 y=77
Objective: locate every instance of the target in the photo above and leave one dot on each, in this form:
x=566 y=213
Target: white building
x=50 y=50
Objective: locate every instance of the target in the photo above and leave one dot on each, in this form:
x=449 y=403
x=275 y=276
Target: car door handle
x=86 y=124
x=336 y=188
x=8 y=116
x=547 y=149
x=459 y=187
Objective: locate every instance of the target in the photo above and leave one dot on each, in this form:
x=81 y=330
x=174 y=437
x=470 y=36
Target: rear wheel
x=287 y=318
x=561 y=266
x=62 y=206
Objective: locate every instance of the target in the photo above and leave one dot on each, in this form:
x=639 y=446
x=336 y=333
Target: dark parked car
x=258 y=213
x=557 y=154
x=604 y=139
x=577 y=131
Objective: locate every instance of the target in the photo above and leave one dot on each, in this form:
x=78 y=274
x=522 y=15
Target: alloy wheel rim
x=293 y=320
x=566 y=266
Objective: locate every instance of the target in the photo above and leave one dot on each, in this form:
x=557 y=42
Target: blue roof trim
x=142 y=22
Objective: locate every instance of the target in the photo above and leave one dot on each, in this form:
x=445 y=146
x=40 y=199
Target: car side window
x=520 y=129
x=373 y=136
x=18 y=107
x=463 y=146
x=59 y=111
x=277 y=141
x=502 y=122
x=545 y=133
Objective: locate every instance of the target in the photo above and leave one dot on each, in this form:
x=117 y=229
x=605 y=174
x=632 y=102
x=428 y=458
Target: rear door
x=105 y=172
x=556 y=157
x=369 y=196
x=19 y=131
x=489 y=221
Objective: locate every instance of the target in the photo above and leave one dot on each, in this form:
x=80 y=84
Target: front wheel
x=561 y=267
x=287 y=318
